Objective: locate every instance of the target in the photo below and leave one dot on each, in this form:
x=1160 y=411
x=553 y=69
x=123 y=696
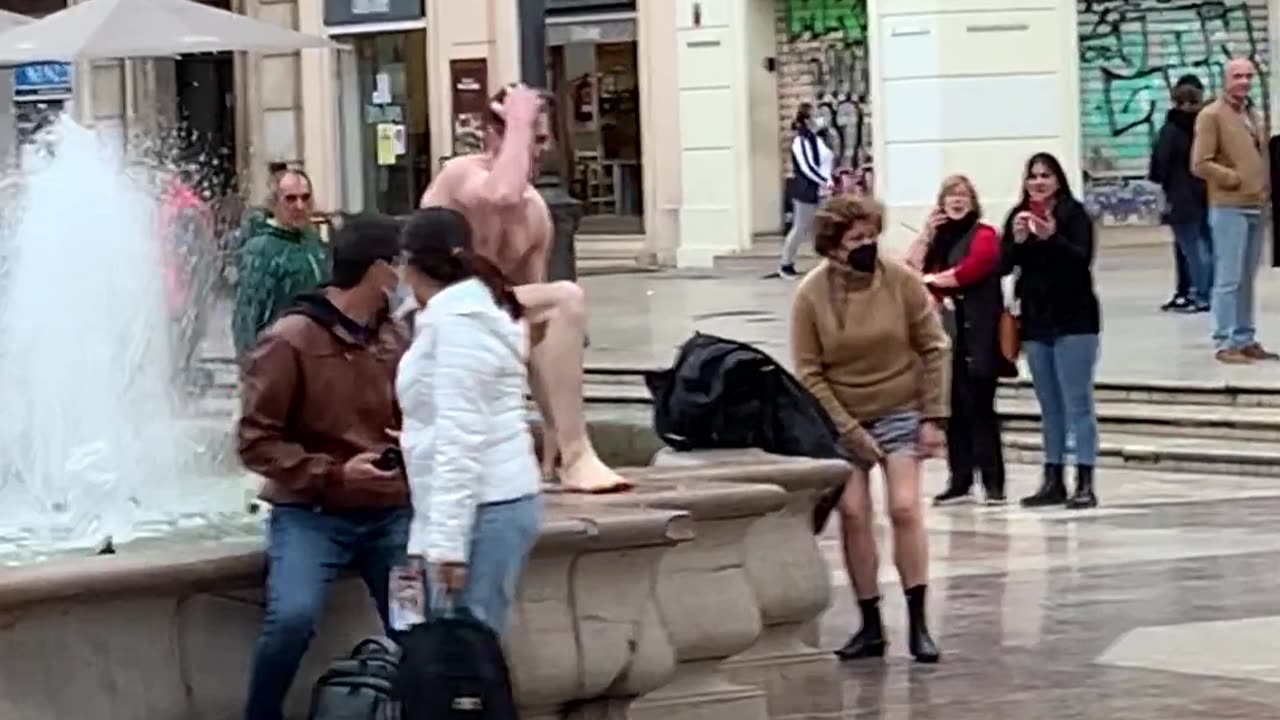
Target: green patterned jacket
x=274 y=266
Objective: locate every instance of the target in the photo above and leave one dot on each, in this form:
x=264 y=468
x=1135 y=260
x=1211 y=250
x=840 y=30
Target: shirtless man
x=512 y=226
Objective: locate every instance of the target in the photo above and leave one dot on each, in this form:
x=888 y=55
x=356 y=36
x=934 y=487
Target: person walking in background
x=473 y=473
x=319 y=414
x=283 y=260
x=867 y=343
x=1050 y=242
x=1228 y=155
x=960 y=257
x=812 y=162
x=1185 y=208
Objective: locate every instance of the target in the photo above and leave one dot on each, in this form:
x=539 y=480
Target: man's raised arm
x=512 y=120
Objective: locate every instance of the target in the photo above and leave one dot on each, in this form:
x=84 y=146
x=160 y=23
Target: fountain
x=695 y=594
x=93 y=448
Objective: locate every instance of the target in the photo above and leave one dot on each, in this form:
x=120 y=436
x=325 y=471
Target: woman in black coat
x=1049 y=242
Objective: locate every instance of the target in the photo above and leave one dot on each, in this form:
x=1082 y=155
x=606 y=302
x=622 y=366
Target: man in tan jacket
x=1228 y=153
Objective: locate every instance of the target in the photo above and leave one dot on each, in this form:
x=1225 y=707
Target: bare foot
x=586 y=474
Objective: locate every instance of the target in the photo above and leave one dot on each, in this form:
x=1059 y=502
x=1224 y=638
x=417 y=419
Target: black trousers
x=973 y=433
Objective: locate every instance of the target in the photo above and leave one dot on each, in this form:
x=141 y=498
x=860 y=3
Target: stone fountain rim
x=240 y=563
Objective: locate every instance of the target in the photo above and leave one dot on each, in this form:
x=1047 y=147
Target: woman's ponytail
x=488 y=273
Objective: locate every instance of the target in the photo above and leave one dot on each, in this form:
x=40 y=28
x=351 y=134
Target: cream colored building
x=708 y=156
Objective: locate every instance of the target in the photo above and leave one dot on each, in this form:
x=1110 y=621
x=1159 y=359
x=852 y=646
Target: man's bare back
x=511 y=226
x=516 y=237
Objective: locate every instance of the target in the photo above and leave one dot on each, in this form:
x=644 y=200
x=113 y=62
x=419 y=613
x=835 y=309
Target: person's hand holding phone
x=1040 y=221
x=936 y=218
x=1021 y=226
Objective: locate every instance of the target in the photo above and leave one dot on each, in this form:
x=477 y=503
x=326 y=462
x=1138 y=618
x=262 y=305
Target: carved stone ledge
x=167 y=632
x=584 y=636
x=788 y=574
x=704 y=598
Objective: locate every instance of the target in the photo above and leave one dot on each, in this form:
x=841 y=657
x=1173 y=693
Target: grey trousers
x=801 y=230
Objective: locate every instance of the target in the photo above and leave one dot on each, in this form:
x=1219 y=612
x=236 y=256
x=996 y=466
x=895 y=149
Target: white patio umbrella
x=103 y=29
x=9 y=20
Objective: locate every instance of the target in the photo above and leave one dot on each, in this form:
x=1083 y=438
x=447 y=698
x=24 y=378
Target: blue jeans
x=306 y=550
x=1195 y=247
x=1237 y=252
x=503 y=534
x=1062 y=373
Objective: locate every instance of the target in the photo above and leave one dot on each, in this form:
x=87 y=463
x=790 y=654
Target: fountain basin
x=166 y=633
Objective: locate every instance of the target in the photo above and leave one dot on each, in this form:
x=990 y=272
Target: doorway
x=206 y=113
x=597 y=83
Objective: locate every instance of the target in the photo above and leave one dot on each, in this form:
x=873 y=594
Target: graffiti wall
x=1131 y=54
x=822 y=59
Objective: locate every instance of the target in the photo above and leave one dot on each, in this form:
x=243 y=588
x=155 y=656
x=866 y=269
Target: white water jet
x=91 y=445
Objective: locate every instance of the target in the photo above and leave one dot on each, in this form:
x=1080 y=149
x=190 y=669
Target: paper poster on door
x=390 y=143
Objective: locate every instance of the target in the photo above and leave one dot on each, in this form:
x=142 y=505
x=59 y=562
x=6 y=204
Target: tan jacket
x=1230 y=158
x=868 y=347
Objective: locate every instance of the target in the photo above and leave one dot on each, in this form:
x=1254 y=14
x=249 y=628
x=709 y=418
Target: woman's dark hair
x=437 y=243
x=1049 y=161
x=803 y=114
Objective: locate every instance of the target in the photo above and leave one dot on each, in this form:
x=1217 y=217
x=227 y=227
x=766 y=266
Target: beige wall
x=659 y=129
x=975 y=89
x=762 y=95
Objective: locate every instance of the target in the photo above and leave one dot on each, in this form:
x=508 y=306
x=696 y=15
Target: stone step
x=1152 y=421
x=1168 y=454
x=1156 y=392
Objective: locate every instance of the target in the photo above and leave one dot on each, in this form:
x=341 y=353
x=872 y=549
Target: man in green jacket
x=283 y=258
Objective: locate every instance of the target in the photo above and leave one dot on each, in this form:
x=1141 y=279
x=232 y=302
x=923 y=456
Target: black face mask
x=863 y=258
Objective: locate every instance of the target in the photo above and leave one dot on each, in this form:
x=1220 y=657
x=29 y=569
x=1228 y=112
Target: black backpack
x=361 y=686
x=453 y=668
x=722 y=393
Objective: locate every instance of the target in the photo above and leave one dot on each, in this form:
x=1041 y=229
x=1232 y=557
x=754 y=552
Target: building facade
x=676 y=114
x=1130 y=55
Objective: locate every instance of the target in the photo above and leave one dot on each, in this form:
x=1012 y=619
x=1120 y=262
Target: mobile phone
x=390 y=459
x=1037 y=208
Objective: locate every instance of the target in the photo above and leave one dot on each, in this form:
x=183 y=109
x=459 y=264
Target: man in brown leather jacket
x=319 y=410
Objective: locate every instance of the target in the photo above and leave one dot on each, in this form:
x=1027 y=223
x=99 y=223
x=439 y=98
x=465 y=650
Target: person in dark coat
x=1049 y=241
x=1185 y=207
x=960 y=258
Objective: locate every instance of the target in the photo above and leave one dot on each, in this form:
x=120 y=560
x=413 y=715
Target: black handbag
x=452 y=667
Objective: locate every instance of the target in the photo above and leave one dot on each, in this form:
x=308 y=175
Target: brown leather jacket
x=315 y=394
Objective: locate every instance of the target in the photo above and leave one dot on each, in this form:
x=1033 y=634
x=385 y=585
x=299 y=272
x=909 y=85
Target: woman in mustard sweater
x=868 y=345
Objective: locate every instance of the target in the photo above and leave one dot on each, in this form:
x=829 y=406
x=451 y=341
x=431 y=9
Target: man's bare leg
x=556 y=367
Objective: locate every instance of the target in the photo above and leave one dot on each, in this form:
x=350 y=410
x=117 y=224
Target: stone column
x=565 y=210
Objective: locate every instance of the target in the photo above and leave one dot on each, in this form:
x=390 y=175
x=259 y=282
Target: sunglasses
x=299 y=197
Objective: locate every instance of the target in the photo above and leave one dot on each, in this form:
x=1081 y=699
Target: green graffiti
x=824 y=17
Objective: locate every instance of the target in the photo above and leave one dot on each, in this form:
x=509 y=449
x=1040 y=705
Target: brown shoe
x=1255 y=351
x=1232 y=357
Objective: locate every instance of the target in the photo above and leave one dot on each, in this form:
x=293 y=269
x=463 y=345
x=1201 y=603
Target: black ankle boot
x=918 y=639
x=869 y=640
x=1084 y=496
x=1053 y=490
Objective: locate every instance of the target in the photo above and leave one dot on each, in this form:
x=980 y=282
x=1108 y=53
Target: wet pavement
x=1161 y=604
x=641 y=319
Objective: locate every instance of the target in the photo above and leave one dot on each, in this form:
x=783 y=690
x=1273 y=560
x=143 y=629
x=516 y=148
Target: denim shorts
x=897 y=432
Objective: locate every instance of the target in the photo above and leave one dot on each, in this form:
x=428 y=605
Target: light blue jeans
x=1237 y=252
x=503 y=534
x=1062 y=372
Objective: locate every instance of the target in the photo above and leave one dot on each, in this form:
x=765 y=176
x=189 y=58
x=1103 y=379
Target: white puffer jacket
x=465 y=438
